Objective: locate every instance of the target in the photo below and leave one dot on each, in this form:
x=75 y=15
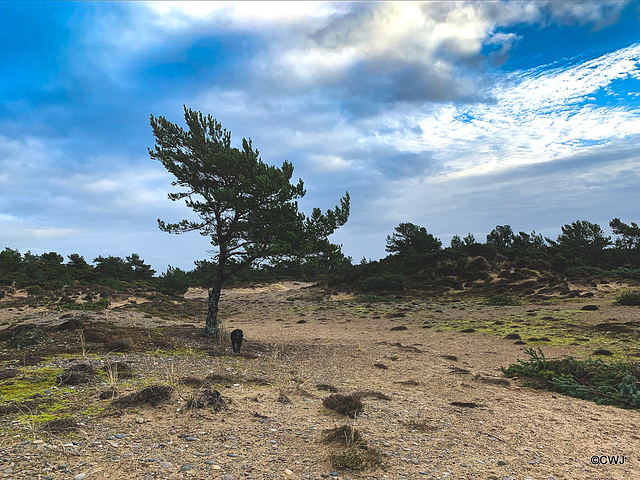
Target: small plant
x=628 y=299
x=355 y=459
x=83 y=343
x=351 y=451
x=420 y=425
x=111 y=372
x=503 y=299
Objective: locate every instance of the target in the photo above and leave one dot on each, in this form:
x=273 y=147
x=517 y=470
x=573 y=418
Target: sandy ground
x=296 y=339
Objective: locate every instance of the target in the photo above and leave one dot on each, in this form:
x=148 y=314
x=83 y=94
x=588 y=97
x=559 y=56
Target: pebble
x=80 y=476
x=191 y=439
x=288 y=472
x=233 y=455
x=166 y=464
x=186 y=468
x=501 y=463
x=227 y=477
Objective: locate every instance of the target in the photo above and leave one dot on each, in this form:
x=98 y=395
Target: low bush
x=606 y=384
x=349 y=405
x=33 y=290
x=628 y=299
x=355 y=459
x=98 y=305
x=383 y=282
x=370 y=298
x=503 y=299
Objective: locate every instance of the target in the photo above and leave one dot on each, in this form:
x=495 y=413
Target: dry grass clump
x=153 y=395
x=348 y=405
x=60 y=425
x=220 y=379
x=346 y=436
x=122 y=369
x=327 y=388
x=77 y=374
x=192 y=381
x=372 y=394
x=207 y=398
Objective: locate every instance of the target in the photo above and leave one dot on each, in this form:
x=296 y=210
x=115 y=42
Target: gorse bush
x=503 y=299
x=370 y=298
x=628 y=299
x=113 y=283
x=98 y=305
x=386 y=281
x=34 y=290
x=606 y=384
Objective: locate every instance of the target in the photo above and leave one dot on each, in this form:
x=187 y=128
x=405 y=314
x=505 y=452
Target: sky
x=454 y=116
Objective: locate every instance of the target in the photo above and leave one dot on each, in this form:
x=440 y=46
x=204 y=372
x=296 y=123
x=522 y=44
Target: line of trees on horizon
x=417 y=258
x=582 y=248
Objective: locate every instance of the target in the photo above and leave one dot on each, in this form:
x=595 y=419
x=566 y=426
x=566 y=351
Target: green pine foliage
x=595 y=380
x=174 y=282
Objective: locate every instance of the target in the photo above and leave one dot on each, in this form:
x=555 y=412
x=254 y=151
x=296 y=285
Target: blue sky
x=456 y=116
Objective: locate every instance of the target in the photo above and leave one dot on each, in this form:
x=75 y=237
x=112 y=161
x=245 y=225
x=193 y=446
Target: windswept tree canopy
x=246 y=207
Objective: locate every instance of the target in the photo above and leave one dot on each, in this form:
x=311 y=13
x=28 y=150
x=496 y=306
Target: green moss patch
x=28 y=384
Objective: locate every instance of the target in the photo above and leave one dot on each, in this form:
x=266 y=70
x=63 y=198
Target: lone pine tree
x=247 y=208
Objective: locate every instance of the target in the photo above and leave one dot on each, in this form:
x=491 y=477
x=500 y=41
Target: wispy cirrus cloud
x=540 y=115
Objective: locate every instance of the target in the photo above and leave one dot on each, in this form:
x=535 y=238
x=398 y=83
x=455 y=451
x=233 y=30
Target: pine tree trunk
x=212 y=323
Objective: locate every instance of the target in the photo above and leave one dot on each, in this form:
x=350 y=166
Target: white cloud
x=238 y=15
x=328 y=163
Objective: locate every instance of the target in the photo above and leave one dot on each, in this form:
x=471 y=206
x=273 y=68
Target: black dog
x=236 y=340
